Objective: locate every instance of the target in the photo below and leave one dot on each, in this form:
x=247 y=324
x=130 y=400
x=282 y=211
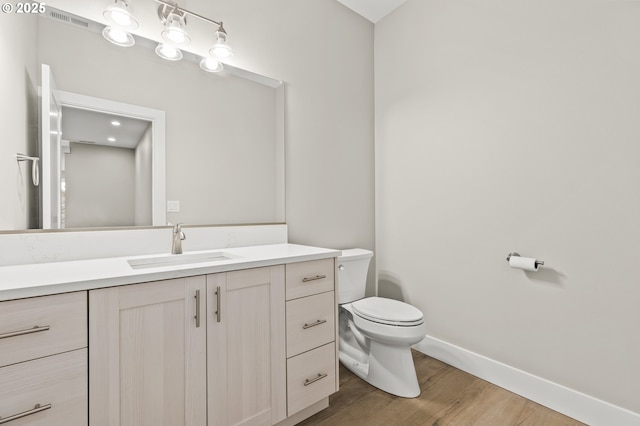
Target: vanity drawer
x=41 y=326
x=310 y=322
x=58 y=384
x=307 y=278
x=311 y=376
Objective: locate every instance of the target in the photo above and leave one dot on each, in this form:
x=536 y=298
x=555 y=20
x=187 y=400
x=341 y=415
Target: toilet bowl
x=375 y=333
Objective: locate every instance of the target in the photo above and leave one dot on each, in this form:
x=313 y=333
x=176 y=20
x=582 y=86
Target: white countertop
x=20 y=281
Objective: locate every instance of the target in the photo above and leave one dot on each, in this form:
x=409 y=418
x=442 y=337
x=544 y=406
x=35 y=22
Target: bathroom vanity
x=240 y=336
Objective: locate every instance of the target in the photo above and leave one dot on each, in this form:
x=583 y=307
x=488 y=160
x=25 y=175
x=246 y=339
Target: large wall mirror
x=219 y=159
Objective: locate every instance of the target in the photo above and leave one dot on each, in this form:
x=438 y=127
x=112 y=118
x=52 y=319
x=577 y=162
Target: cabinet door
x=246 y=347
x=147 y=354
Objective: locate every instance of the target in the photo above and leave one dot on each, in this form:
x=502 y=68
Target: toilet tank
x=353 y=266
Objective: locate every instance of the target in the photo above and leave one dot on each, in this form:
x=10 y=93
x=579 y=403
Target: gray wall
x=99 y=186
x=513 y=126
x=143 y=185
x=324 y=53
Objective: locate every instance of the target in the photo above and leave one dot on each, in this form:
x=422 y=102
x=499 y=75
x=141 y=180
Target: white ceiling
x=373 y=10
x=94 y=127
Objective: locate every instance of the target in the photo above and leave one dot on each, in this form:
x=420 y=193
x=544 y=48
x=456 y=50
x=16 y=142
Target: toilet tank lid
x=355 y=254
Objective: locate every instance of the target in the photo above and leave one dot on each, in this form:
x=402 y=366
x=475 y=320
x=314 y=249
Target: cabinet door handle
x=197 y=317
x=320 y=376
x=218 y=313
x=317 y=277
x=313 y=324
x=34 y=410
x=35 y=329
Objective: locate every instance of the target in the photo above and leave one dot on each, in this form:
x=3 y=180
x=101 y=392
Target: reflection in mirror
x=224 y=132
x=107 y=163
x=106 y=169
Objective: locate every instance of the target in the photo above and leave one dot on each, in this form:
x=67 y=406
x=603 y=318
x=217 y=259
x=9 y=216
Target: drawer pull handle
x=313 y=324
x=317 y=277
x=218 y=296
x=197 y=317
x=320 y=376
x=35 y=329
x=34 y=410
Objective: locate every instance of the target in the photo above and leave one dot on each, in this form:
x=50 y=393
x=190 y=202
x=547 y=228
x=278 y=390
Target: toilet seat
x=388 y=311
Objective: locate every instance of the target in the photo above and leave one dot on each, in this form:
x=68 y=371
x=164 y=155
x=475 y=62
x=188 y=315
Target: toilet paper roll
x=526 y=263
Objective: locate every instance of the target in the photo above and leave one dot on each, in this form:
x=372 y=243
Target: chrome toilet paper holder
x=537 y=262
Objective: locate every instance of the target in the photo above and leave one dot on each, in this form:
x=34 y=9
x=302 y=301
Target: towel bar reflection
x=35 y=170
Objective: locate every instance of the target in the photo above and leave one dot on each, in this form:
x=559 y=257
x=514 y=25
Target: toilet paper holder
x=538 y=262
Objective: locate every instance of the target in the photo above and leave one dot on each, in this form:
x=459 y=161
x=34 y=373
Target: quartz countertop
x=42 y=279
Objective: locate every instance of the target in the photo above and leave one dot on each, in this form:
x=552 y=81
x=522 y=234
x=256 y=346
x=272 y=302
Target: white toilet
x=376 y=333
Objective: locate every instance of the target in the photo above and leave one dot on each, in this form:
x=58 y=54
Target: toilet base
x=389 y=368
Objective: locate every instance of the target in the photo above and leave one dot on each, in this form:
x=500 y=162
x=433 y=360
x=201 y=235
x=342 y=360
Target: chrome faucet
x=178 y=236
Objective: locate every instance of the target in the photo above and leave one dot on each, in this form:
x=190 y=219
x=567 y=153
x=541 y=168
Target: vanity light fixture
x=175 y=20
x=168 y=52
x=221 y=48
x=118 y=14
x=118 y=36
x=115 y=123
x=210 y=64
x=174 y=23
x=111 y=139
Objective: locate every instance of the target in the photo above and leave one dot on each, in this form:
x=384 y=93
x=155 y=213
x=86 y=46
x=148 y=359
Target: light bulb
x=174 y=31
x=176 y=35
x=121 y=18
x=221 y=49
x=210 y=64
x=118 y=36
x=168 y=52
x=118 y=14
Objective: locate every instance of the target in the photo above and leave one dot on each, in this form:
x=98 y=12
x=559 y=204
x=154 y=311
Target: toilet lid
x=387 y=311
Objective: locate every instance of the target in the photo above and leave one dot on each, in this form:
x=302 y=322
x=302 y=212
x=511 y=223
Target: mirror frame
x=158 y=142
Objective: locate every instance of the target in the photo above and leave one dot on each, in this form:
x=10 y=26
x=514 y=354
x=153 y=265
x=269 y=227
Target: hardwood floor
x=449 y=397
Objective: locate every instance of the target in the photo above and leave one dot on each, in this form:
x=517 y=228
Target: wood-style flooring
x=449 y=397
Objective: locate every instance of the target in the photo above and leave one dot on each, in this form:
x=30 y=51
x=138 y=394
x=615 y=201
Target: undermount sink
x=179 y=259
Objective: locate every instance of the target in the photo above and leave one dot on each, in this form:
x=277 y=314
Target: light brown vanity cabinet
x=158 y=349
x=43 y=360
x=147 y=354
x=246 y=347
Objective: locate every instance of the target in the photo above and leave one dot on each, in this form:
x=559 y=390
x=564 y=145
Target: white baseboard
x=559 y=398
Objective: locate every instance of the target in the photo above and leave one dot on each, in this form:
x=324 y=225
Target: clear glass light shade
x=210 y=64
x=168 y=52
x=174 y=31
x=118 y=36
x=118 y=14
x=221 y=50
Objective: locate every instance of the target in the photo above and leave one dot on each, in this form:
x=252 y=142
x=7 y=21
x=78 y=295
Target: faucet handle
x=177 y=230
